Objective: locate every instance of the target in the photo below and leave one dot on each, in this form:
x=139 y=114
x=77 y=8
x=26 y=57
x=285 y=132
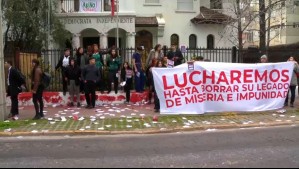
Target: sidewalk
x=136 y=119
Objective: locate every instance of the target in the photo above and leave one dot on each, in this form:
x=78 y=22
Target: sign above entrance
x=90 y=6
x=98 y=20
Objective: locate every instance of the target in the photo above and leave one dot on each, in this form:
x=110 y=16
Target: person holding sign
x=293 y=83
x=175 y=56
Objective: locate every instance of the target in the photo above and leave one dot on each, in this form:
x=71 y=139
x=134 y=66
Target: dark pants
x=38 y=101
x=113 y=79
x=293 y=91
x=64 y=82
x=157 y=102
x=90 y=89
x=127 y=89
x=101 y=83
x=14 y=100
x=139 y=82
x=81 y=86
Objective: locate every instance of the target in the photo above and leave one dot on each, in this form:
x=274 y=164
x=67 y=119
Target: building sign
x=99 y=20
x=90 y=6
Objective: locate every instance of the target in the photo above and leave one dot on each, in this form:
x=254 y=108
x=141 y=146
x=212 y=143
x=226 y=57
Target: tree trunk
x=268 y=29
x=262 y=15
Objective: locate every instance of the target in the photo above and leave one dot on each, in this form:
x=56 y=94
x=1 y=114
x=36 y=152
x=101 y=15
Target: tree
x=27 y=24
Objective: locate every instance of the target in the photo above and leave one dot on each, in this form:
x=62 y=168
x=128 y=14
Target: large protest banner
x=222 y=87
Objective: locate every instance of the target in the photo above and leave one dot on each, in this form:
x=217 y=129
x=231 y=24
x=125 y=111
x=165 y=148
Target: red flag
x=112 y=7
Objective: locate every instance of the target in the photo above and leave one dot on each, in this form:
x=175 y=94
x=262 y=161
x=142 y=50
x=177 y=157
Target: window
x=174 y=39
x=216 y=4
x=151 y=1
x=192 y=41
x=107 y=5
x=185 y=5
x=249 y=36
x=210 y=42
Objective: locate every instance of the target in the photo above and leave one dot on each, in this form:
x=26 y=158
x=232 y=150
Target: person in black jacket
x=175 y=55
x=81 y=60
x=73 y=78
x=90 y=75
x=127 y=75
x=63 y=64
x=14 y=81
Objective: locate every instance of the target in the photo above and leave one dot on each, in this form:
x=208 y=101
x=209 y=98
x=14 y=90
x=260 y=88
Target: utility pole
x=3 y=111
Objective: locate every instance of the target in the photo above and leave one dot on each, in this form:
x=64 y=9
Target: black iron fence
x=50 y=58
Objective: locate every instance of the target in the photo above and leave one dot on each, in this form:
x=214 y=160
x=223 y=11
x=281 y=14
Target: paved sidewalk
x=137 y=119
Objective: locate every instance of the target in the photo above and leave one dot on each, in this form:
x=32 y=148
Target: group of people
x=15 y=84
x=84 y=72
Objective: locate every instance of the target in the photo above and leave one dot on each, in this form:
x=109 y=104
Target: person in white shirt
x=63 y=63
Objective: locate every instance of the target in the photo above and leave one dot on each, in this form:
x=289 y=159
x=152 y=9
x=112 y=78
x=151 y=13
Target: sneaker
x=78 y=104
x=285 y=104
x=157 y=110
x=126 y=102
x=15 y=117
x=292 y=104
x=64 y=93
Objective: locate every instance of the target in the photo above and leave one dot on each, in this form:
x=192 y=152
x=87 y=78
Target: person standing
x=81 y=60
x=159 y=64
x=14 y=81
x=113 y=64
x=127 y=76
x=175 y=55
x=37 y=89
x=99 y=62
x=73 y=77
x=139 y=70
x=293 y=83
x=90 y=75
x=63 y=63
x=154 y=55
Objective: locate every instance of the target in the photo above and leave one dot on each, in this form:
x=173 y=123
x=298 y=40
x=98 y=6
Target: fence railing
x=50 y=58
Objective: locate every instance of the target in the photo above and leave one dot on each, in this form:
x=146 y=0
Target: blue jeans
x=139 y=82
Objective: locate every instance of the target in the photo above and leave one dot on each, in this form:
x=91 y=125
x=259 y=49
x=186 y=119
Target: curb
x=146 y=131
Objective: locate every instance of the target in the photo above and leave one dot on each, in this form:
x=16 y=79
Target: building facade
x=189 y=23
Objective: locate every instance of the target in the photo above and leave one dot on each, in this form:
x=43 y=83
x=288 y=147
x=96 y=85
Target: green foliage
x=27 y=23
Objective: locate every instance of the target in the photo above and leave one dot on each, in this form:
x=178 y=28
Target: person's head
x=264 y=59
x=67 y=52
x=207 y=60
x=113 y=52
x=95 y=48
x=7 y=64
x=291 y=59
x=139 y=49
x=35 y=62
x=159 y=63
x=158 y=47
x=126 y=65
x=72 y=61
x=199 y=58
x=173 y=47
x=89 y=49
x=92 y=61
x=165 y=59
x=80 y=51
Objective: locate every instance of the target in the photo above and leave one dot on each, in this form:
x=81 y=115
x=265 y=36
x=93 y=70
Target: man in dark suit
x=175 y=55
x=14 y=82
x=63 y=63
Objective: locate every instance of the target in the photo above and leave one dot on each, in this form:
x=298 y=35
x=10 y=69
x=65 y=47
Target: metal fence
x=50 y=58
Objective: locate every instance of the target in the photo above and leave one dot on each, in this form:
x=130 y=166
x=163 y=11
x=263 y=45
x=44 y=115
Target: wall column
x=76 y=40
x=103 y=40
x=130 y=44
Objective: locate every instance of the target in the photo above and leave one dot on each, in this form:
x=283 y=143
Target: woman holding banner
x=293 y=83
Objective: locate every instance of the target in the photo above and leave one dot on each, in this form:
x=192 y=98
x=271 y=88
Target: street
x=260 y=147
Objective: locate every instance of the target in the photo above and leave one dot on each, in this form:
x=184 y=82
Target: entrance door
x=89 y=41
x=144 y=38
x=112 y=42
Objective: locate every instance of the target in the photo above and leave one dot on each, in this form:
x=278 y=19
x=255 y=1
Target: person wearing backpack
x=37 y=89
x=14 y=83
